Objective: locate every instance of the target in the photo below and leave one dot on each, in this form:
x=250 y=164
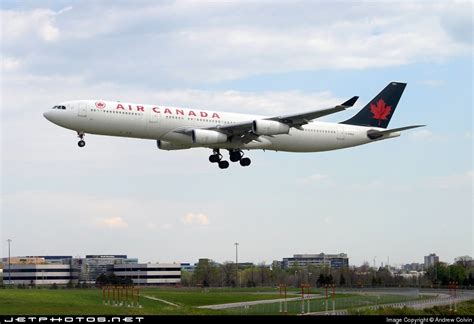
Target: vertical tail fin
x=379 y=111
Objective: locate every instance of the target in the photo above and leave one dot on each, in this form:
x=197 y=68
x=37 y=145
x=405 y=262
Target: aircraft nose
x=47 y=115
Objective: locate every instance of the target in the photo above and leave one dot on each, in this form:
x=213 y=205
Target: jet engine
x=269 y=127
x=204 y=136
x=170 y=146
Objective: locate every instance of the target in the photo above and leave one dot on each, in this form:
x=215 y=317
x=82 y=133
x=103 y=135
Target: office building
x=335 y=261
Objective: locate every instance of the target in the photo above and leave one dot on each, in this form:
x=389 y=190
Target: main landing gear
x=234 y=156
x=216 y=157
x=81 y=135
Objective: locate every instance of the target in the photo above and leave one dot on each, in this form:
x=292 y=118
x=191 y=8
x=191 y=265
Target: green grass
x=464 y=308
x=78 y=302
x=199 y=297
x=342 y=301
x=89 y=301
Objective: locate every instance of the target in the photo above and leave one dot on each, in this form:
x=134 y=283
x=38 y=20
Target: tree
x=321 y=280
x=457 y=273
x=206 y=273
x=342 y=280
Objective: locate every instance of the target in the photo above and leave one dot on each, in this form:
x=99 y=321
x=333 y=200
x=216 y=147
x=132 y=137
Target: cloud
x=195 y=219
x=10 y=63
x=422 y=134
x=22 y=25
x=210 y=42
x=432 y=83
x=314 y=178
x=426 y=135
x=113 y=222
x=451 y=181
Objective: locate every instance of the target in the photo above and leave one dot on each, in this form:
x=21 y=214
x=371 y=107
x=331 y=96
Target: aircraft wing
x=292 y=120
x=243 y=130
x=295 y=120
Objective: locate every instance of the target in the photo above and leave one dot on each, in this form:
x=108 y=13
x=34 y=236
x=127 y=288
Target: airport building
x=37 y=274
x=150 y=273
x=92 y=266
x=63 y=270
x=334 y=261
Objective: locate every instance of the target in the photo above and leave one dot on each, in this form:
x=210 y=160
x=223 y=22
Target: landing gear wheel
x=223 y=164
x=214 y=158
x=245 y=162
x=81 y=135
x=235 y=156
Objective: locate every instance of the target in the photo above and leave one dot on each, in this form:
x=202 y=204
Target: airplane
x=181 y=128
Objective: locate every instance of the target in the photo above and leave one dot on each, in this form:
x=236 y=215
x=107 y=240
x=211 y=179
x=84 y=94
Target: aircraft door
x=82 y=109
x=340 y=133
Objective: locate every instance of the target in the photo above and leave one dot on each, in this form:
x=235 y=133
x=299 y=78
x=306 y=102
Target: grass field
x=342 y=301
x=198 y=297
x=89 y=302
x=464 y=308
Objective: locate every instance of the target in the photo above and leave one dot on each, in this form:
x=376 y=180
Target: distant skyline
x=404 y=198
x=371 y=262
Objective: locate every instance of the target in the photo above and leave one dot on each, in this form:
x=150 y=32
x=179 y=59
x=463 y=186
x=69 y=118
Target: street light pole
x=237 y=260
x=9 y=264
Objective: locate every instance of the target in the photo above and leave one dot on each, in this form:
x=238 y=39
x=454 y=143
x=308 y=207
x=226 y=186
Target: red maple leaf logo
x=381 y=110
x=100 y=104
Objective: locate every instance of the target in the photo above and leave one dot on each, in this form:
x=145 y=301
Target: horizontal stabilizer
x=373 y=134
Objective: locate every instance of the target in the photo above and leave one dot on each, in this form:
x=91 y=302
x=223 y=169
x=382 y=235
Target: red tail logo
x=380 y=111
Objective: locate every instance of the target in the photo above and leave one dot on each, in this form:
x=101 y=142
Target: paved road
x=257 y=302
x=441 y=300
x=160 y=300
x=439 y=297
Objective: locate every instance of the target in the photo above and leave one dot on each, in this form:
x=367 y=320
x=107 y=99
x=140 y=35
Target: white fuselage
x=161 y=122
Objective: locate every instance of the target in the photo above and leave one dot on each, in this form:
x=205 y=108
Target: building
x=431 y=260
x=150 y=273
x=412 y=267
x=37 y=274
x=335 y=261
x=188 y=267
x=58 y=259
x=92 y=266
x=63 y=270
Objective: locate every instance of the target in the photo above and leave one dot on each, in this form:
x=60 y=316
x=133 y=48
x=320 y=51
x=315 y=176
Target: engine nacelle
x=170 y=146
x=269 y=127
x=204 y=136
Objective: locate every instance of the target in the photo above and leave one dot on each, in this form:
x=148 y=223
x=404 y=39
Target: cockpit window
x=59 y=107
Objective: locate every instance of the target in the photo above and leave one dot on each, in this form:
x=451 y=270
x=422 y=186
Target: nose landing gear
x=81 y=143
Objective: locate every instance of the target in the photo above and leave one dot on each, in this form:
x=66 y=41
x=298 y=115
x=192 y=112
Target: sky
x=395 y=200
